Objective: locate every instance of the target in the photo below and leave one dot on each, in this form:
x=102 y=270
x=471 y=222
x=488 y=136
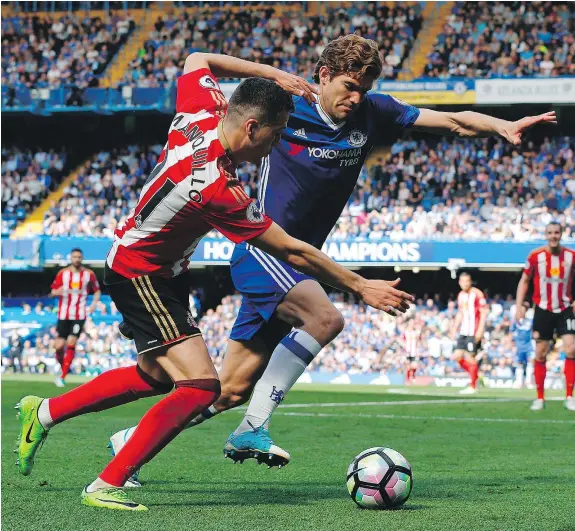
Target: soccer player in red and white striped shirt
x=551 y=268
x=72 y=286
x=193 y=189
x=470 y=325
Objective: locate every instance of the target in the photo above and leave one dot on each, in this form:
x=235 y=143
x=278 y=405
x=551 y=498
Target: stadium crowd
x=441 y=190
x=62 y=50
x=289 y=41
x=27 y=177
x=505 y=39
x=371 y=342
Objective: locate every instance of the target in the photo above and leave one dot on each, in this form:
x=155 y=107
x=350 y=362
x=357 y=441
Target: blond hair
x=351 y=55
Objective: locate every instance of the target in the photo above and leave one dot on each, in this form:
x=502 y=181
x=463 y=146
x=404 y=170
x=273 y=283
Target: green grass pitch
x=485 y=463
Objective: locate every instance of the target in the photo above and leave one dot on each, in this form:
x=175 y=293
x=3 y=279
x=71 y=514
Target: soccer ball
x=379 y=478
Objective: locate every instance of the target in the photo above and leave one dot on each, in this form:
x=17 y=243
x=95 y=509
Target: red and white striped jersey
x=76 y=286
x=411 y=342
x=552 y=278
x=470 y=304
x=193 y=189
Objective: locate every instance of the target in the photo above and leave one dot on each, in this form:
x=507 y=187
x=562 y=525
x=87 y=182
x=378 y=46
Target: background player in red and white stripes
x=551 y=268
x=72 y=286
x=470 y=326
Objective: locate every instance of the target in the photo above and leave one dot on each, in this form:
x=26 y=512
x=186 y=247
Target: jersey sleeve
x=199 y=91
x=94 y=284
x=481 y=300
x=388 y=109
x=234 y=214
x=57 y=281
x=529 y=266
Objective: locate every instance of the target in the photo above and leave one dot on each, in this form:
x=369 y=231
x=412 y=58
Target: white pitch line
x=406 y=402
x=420 y=417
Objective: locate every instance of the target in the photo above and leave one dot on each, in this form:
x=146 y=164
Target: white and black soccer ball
x=379 y=478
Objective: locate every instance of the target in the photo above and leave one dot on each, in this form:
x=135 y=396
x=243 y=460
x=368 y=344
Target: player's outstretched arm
x=380 y=294
x=227 y=66
x=475 y=124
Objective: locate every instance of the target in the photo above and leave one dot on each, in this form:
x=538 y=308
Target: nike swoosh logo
x=28 y=434
x=119 y=503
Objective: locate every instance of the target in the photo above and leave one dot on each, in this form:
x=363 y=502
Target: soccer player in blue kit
x=286 y=317
x=523 y=339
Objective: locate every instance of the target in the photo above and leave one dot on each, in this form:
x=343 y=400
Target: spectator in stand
x=447 y=189
x=291 y=43
x=27 y=178
x=369 y=344
x=45 y=52
x=505 y=39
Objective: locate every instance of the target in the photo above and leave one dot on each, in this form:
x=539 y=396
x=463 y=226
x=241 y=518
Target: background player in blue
x=305 y=184
x=523 y=340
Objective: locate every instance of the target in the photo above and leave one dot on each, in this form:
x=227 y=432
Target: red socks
x=60 y=356
x=159 y=426
x=540 y=370
x=110 y=389
x=569 y=371
x=472 y=369
x=68 y=359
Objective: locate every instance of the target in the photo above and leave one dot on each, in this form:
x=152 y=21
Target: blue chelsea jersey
x=308 y=178
x=522 y=335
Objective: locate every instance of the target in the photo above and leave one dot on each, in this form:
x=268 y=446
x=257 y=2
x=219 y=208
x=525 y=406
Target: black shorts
x=468 y=344
x=70 y=327
x=157 y=309
x=546 y=324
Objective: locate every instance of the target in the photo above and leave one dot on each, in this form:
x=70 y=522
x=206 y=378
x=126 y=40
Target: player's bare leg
x=306 y=307
x=539 y=372
x=187 y=365
x=244 y=363
x=569 y=370
x=317 y=322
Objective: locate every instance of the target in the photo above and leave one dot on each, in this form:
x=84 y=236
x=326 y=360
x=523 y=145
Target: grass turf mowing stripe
x=422 y=417
x=406 y=402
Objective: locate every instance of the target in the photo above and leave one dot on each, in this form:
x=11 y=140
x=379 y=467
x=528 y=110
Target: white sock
x=98 y=484
x=44 y=414
x=288 y=362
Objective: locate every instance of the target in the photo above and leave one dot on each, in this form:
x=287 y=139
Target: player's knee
x=329 y=325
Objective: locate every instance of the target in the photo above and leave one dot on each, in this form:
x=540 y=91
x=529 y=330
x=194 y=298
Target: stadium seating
x=505 y=39
x=370 y=342
x=445 y=189
x=292 y=44
x=27 y=177
x=46 y=52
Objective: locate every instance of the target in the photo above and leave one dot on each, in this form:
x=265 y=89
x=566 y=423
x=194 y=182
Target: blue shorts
x=263 y=282
x=522 y=356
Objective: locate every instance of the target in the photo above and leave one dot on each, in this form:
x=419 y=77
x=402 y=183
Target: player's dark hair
x=464 y=274
x=351 y=55
x=554 y=223
x=262 y=98
x=77 y=250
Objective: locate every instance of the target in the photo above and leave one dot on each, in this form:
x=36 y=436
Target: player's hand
x=478 y=338
x=91 y=309
x=520 y=313
x=514 y=132
x=297 y=86
x=58 y=292
x=382 y=295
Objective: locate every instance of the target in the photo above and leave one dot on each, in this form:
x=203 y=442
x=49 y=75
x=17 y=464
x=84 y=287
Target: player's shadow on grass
x=266 y=494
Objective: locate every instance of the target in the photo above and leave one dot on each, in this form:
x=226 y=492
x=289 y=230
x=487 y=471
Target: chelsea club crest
x=357 y=138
